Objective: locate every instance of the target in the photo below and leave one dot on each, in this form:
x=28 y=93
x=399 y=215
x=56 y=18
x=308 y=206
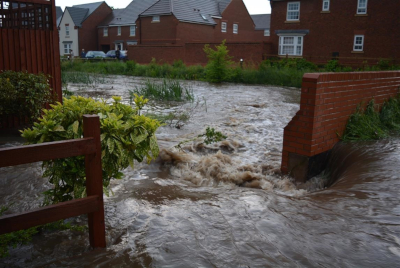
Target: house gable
x=68 y=34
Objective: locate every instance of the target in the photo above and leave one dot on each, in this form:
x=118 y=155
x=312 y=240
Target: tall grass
x=369 y=124
x=167 y=90
x=83 y=78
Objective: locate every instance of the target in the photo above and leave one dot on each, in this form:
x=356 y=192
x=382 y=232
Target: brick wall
x=327 y=101
x=88 y=34
x=162 y=32
x=334 y=31
x=192 y=53
x=113 y=36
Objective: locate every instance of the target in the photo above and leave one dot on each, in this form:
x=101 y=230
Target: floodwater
x=226 y=205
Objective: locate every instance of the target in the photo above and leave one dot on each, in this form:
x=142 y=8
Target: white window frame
x=289 y=15
x=235 y=28
x=119 y=30
x=155 y=19
x=267 y=32
x=67 y=30
x=362 y=9
x=223 y=27
x=326 y=4
x=298 y=43
x=105 y=31
x=132 y=30
x=67 y=48
x=359 y=47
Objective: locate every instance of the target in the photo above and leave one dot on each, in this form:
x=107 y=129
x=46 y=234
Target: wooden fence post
x=94 y=182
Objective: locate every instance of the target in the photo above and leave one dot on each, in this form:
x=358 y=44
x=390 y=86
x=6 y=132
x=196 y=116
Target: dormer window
x=362 y=7
x=325 y=5
x=156 y=19
x=293 y=11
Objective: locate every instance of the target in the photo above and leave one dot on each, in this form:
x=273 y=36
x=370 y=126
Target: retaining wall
x=327 y=101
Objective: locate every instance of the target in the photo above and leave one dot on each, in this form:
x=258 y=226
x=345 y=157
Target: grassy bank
x=369 y=124
x=286 y=72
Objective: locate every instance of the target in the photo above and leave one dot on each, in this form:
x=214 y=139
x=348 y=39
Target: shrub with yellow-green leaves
x=125 y=136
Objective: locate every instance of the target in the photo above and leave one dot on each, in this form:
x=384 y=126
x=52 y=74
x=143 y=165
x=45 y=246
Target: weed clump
x=168 y=90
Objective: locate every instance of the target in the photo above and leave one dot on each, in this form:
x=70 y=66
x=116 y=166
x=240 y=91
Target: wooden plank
x=46 y=151
x=2 y=51
x=94 y=182
x=43 y=46
x=17 y=55
x=11 y=49
x=22 y=49
x=28 y=51
x=34 y=51
x=73 y=208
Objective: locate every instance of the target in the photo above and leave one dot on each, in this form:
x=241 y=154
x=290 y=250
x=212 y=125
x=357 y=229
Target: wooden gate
x=29 y=40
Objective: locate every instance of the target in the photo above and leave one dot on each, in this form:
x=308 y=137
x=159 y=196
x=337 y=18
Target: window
x=156 y=19
x=358 y=43
x=235 y=28
x=66 y=29
x=119 y=30
x=325 y=5
x=266 y=32
x=291 y=45
x=362 y=7
x=67 y=48
x=132 y=31
x=293 y=11
x=105 y=31
x=223 y=27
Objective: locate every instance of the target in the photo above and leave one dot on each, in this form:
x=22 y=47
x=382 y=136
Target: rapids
x=226 y=204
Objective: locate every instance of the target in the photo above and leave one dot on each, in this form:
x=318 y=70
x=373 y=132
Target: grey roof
x=79 y=13
x=195 y=11
x=129 y=14
x=59 y=14
x=262 y=21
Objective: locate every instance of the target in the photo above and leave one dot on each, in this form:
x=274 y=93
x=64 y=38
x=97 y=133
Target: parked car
x=123 y=54
x=95 y=54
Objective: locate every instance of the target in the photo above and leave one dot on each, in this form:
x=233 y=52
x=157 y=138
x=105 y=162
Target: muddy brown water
x=225 y=205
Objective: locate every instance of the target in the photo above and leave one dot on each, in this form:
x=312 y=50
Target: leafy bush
x=24 y=94
x=125 y=136
x=169 y=90
x=218 y=62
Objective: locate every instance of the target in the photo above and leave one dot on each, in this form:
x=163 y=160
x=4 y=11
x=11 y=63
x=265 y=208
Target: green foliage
x=217 y=69
x=209 y=137
x=24 y=94
x=369 y=124
x=168 y=90
x=125 y=136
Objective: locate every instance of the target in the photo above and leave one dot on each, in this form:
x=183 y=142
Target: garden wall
x=192 y=53
x=327 y=101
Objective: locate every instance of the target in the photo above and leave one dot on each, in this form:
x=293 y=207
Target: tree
x=217 y=69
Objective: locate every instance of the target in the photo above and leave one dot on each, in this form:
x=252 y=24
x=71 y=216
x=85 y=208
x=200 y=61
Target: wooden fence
x=29 y=42
x=89 y=146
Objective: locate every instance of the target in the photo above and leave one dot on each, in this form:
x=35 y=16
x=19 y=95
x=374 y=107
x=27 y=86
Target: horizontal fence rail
x=92 y=205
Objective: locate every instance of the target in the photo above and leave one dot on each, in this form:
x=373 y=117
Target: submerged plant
x=167 y=90
x=209 y=137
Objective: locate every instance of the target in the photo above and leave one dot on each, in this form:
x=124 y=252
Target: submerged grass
x=368 y=124
x=167 y=90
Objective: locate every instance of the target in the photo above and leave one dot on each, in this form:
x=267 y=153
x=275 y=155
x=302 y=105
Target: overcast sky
x=254 y=6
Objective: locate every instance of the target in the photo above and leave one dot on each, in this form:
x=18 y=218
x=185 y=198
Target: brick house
x=78 y=27
x=179 y=22
x=119 y=28
x=262 y=26
x=325 y=29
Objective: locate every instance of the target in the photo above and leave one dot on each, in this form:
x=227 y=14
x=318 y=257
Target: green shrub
x=125 y=136
x=24 y=94
x=218 y=62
